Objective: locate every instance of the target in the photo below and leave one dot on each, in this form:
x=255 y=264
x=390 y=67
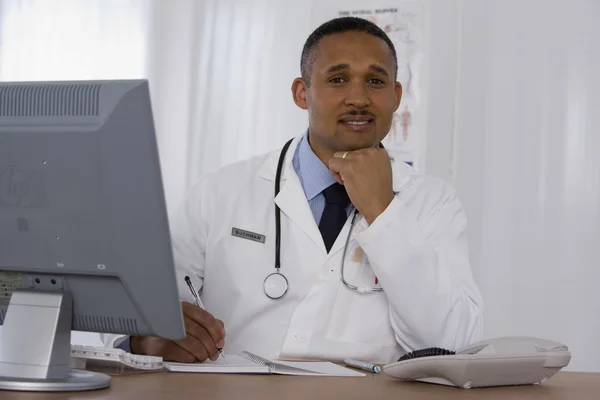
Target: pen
x=365 y=366
x=198 y=301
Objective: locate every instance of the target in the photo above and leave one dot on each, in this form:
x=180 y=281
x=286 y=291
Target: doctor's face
x=352 y=94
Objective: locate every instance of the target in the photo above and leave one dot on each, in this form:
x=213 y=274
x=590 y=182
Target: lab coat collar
x=268 y=169
x=291 y=198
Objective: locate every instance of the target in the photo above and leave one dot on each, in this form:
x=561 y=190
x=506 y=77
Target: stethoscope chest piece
x=275 y=285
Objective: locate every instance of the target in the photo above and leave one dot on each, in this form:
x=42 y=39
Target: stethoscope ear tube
x=277 y=209
x=276 y=284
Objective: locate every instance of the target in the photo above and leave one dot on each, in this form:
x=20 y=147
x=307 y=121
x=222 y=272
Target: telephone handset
x=504 y=361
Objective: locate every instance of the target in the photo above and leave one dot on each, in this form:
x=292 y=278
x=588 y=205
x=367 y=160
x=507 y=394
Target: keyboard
x=112 y=361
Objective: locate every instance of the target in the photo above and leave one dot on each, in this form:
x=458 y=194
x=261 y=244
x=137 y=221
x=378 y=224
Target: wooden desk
x=171 y=386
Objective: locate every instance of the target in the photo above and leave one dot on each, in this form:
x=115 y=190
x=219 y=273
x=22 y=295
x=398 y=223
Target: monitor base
x=78 y=380
x=35 y=346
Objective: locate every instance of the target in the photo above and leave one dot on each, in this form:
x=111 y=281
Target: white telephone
x=505 y=361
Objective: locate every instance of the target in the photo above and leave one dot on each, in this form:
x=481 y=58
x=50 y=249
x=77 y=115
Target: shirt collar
x=316 y=176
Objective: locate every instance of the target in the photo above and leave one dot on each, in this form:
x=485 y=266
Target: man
x=391 y=279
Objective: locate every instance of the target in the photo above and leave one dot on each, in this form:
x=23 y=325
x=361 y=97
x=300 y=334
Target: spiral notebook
x=248 y=363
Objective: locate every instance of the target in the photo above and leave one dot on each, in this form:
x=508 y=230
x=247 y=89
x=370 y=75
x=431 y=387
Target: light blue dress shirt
x=314 y=177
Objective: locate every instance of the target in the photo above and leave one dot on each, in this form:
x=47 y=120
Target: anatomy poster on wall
x=403 y=21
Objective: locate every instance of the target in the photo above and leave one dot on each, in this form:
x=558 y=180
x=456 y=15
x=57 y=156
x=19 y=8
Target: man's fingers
x=174 y=352
x=337 y=177
x=337 y=164
x=193 y=346
x=213 y=327
x=221 y=343
x=203 y=337
x=342 y=154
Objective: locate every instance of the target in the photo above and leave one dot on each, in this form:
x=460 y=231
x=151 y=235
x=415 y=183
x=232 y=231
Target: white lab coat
x=417 y=249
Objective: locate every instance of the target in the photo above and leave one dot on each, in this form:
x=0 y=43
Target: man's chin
x=354 y=142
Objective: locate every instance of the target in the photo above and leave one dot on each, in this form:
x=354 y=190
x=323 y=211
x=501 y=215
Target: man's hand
x=367 y=176
x=204 y=336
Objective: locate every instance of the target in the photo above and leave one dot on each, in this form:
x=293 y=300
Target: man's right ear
x=299 y=93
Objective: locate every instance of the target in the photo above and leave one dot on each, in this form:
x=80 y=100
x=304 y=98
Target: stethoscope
x=276 y=284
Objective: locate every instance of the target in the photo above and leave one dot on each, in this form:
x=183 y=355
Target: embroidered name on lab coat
x=247 y=235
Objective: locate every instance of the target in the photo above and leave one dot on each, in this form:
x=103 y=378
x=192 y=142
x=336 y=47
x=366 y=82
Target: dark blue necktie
x=334 y=215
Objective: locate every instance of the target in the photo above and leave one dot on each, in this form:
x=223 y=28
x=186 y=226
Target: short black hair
x=340 y=25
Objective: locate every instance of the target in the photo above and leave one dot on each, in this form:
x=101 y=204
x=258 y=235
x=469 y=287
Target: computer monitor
x=84 y=233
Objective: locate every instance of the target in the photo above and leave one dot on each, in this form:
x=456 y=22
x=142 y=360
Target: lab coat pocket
x=360 y=318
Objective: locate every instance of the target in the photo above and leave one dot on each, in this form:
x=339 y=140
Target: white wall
x=444 y=45
x=527 y=166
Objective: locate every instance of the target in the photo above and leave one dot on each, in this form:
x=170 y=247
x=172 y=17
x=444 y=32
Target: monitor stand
x=35 y=345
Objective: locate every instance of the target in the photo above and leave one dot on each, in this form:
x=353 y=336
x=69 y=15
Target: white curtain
x=528 y=168
x=72 y=39
x=221 y=73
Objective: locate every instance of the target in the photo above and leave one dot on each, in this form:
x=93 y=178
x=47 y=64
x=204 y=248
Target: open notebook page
x=315 y=368
x=233 y=364
x=236 y=364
